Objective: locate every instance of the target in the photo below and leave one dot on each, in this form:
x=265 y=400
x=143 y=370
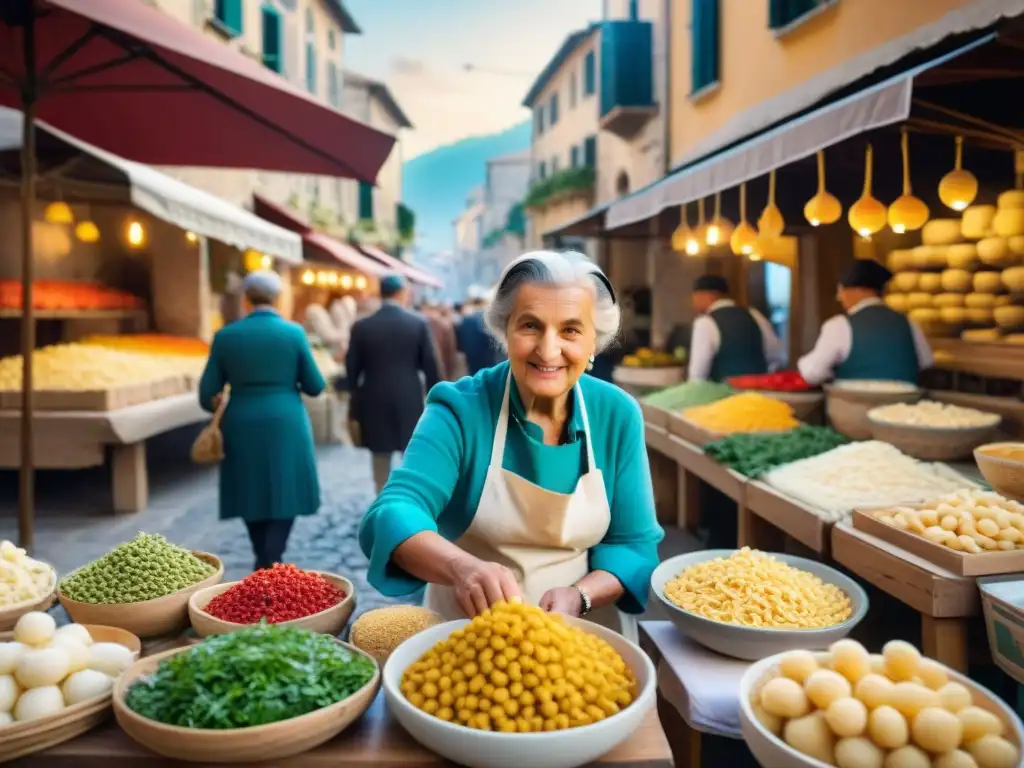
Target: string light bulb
x=958 y=188
x=191 y=238
x=361 y=283
x=823 y=208
x=695 y=242
x=308 y=278
x=907 y=213
x=720 y=229
x=59 y=212
x=867 y=216
x=744 y=237
x=135 y=234
x=87 y=232
x=771 y=224
x=346 y=281
x=682 y=234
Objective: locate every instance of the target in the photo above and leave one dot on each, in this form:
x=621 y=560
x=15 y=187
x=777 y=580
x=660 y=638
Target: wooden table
x=772 y=516
x=944 y=600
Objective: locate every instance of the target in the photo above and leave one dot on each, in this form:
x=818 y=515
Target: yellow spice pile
x=746 y=412
x=753 y=589
x=516 y=669
x=380 y=631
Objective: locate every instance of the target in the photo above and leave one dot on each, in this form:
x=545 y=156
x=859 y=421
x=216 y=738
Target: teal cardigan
x=438 y=486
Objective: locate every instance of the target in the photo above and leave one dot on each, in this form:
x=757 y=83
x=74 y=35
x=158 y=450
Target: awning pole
x=26 y=479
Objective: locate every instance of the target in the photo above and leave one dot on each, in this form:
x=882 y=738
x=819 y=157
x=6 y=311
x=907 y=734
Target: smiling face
x=551 y=337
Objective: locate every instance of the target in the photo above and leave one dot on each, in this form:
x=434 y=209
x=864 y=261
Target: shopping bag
x=209 y=446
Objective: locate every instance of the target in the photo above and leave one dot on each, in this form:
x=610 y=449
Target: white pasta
x=929 y=413
x=862 y=475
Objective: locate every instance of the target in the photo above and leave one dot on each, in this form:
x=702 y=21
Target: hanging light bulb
x=720 y=229
x=360 y=283
x=695 y=242
x=771 y=224
x=266 y=262
x=755 y=256
x=867 y=216
x=87 y=232
x=682 y=233
x=332 y=279
x=744 y=237
x=346 y=281
x=907 y=213
x=308 y=278
x=823 y=208
x=135 y=234
x=958 y=188
x=59 y=212
x=191 y=238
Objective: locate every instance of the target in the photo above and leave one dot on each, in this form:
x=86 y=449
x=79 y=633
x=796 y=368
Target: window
x=573 y=85
x=311 y=67
x=333 y=86
x=331 y=42
x=554 y=165
x=704 y=29
x=589 y=74
x=574 y=156
x=590 y=152
x=553 y=109
x=538 y=120
x=228 y=14
x=310 y=22
x=782 y=13
x=542 y=170
x=365 y=200
x=273 y=38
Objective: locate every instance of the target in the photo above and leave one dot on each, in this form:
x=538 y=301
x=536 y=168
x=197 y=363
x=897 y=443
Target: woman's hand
x=479 y=584
x=567 y=600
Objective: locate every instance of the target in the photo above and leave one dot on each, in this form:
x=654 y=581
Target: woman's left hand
x=565 y=600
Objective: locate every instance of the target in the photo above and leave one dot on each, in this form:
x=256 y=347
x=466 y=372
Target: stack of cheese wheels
x=1008 y=230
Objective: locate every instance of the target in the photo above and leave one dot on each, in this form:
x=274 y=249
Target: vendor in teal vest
x=728 y=340
x=869 y=341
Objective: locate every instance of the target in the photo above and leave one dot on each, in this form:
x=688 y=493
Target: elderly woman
x=528 y=479
x=269 y=475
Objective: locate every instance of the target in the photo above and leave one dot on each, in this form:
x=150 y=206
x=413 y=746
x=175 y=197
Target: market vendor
x=528 y=479
x=869 y=341
x=727 y=339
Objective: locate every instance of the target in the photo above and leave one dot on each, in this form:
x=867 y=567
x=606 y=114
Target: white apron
x=542 y=536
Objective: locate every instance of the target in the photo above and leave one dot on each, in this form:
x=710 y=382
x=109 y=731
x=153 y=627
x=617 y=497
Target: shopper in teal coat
x=268 y=476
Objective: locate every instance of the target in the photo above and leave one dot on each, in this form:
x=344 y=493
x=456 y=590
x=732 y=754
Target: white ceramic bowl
x=487 y=749
x=772 y=752
x=750 y=643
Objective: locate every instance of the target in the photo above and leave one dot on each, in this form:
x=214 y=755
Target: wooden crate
x=790 y=516
x=112 y=399
x=688 y=431
x=959 y=563
x=654 y=415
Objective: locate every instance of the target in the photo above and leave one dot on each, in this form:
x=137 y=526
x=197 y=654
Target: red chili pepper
x=280 y=593
x=783 y=381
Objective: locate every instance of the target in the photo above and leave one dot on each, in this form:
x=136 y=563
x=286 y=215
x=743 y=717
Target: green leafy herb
x=754 y=455
x=264 y=674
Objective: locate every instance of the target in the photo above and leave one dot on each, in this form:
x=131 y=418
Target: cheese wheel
x=897 y=301
x=962 y=256
x=1013 y=198
x=977 y=221
x=900 y=260
x=948 y=300
x=953 y=315
x=995 y=252
x=918 y=300
x=904 y=282
x=1009 y=222
x=1016 y=244
x=979 y=316
x=956 y=281
x=1003 y=300
x=979 y=300
x=941 y=232
x=987 y=282
x=1014 y=338
x=981 y=334
x=1013 y=279
x=929 y=282
x=929 y=257
x=925 y=316
x=1009 y=317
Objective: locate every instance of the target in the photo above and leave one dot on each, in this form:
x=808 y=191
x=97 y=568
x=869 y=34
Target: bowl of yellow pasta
x=750 y=605
x=471 y=708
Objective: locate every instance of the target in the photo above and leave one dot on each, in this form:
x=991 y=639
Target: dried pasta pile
x=753 y=589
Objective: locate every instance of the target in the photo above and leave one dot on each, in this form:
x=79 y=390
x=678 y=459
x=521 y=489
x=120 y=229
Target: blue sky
x=419 y=48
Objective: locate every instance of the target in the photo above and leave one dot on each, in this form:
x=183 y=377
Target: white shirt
x=836 y=340
x=705 y=341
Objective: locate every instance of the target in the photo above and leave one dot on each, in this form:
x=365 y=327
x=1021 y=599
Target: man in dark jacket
x=390 y=359
x=475 y=341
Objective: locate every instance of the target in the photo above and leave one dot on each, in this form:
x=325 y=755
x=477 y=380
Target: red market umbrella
x=132 y=80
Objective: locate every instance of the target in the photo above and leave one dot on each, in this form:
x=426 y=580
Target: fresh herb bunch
x=260 y=675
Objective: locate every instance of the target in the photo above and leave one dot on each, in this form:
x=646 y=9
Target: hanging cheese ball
x=993 y=752
x=825 y=686
x=936 y=730
x=858 y=752
x=888 y=728
x=847 y=717
x=901 y=660
x=850 y=659
x=811 y=735
x=908 y=757
x=783 y=697
x=798 y=665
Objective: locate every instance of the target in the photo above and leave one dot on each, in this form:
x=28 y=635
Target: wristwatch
x=587 y=605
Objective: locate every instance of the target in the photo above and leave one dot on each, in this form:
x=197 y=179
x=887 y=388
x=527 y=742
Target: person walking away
x=268 y=476
x=387 y=354
x=343 y=314
x=728 y=340
x=319 y=324
x=445 y=347
x=475 y=341
x=870 y=340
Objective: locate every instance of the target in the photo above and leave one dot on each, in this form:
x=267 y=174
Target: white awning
x=174 y=201
x=884 y=104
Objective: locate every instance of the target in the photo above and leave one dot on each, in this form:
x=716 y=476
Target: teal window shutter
x=365 y=200
x=538 y=120
x=589 y=74
x=273 y=39
x=311 y=67
x=554 y=165
x=553 y=109
x=229 y=14
x=590 y=152
x=782 y=13
x=574 y=156
x=542 y=170
x=705 y=33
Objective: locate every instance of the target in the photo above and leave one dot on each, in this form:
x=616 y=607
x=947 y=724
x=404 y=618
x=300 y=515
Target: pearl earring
x=590 y=365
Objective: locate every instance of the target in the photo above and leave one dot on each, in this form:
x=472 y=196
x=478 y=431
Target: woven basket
x=932 y=443
x=847 y=409
x=1006 y=476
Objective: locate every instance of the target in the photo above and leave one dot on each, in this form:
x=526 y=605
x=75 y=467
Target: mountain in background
x=435 y=185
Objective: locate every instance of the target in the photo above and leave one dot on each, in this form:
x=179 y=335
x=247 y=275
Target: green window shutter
x=781 y=13
x=554 y=109
x=542 y=170
x=705 y=33
x=311 y=67
x=229 y=14
x=273 y=39
x=574 y=156
x=590 y=152
x=589 y=74
x=365 y=200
